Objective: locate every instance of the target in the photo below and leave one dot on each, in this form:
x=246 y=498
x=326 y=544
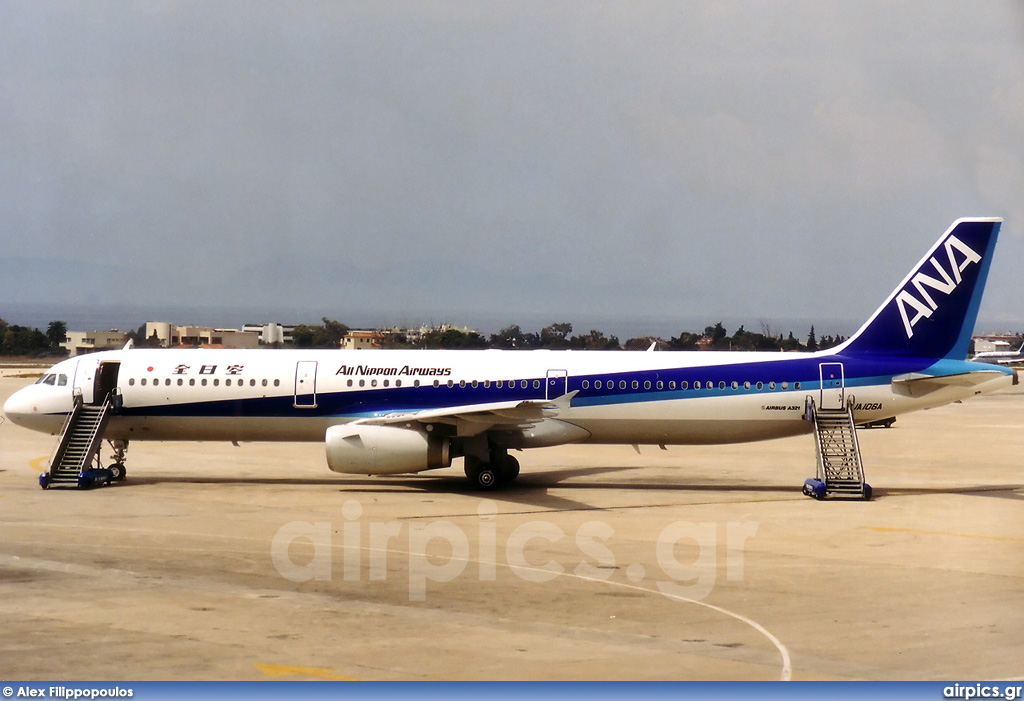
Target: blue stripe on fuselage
x=801 y=374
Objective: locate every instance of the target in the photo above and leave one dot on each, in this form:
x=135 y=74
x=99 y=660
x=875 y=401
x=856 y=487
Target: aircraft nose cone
x=19 y=406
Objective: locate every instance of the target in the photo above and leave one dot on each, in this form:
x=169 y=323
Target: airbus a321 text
x=399 y=411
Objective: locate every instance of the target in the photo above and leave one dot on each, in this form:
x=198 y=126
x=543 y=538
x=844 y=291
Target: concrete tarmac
x=255 y=562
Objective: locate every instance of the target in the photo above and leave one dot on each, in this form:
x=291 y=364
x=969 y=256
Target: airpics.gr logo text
x=960 y=256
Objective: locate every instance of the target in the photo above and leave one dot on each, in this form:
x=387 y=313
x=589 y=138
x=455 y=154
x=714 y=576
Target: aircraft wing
x=917 y=385
x=472 y=419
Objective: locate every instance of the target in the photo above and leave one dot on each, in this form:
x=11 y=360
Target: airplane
x=1000 y=357
x=406 y=411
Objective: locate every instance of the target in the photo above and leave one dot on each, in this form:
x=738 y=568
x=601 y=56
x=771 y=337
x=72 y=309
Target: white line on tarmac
x=787 y=668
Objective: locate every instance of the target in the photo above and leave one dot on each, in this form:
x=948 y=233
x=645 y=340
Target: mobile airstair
x=840 y=470
x=75 y=461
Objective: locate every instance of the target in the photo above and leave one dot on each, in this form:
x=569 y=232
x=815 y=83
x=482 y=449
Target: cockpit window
x=53 y=379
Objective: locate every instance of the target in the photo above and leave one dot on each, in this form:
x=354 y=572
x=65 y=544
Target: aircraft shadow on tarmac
x=532 y=489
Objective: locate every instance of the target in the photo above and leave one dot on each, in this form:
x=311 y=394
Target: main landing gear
x=502 y=468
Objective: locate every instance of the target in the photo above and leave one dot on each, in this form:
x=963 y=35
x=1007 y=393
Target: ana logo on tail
x=923 y=304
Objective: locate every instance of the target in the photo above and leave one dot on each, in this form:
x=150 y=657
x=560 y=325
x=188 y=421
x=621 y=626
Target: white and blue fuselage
x=405 y=411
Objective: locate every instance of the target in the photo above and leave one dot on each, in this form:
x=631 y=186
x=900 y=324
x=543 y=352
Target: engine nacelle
x=384 y=450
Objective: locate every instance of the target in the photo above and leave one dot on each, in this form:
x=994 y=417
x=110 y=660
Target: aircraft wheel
x=117 y=472
x=486 y=478
x=472 y=466
x=510 y=469
x=481 y=475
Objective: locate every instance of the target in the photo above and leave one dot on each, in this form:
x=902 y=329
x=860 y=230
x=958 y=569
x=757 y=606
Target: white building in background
x=79 y=342
x=271 y=333
x=171 y=335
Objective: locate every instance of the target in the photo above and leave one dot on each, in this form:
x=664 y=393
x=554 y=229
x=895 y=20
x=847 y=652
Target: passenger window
x=796 y=386
x=524 y=384
x=373 y=383
x=227 y=382
x=362 y=383
x=771 y=385
x=264 y=383
x=635 y=384
x=216 y=383
x=462 y=383
x=203 y=382
x=760 y=386
x=180 y=382
x=622 y=384
x=437 y=383
x=277 y=383
x=498 y=384
x=661 y=385
x=721 y=384
x=647 y=384
x=192 y=382
x=143 y=382
x=131 y=382
x=536 y=384
x=785 y=385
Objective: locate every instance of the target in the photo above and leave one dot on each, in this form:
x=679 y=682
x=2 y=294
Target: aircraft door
x=305 y=384
x=84 y=382
x=833 y=386
x=557 y=384
x=106 y=381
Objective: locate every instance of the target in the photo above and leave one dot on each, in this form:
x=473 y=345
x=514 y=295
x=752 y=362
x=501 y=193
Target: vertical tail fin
x=931 y=314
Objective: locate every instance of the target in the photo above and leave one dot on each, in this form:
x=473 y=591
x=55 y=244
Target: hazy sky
x=506 y=160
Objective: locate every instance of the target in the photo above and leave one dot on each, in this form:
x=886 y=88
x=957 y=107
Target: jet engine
x=384 y=450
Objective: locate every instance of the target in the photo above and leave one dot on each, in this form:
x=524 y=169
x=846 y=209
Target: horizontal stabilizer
x=918 y=385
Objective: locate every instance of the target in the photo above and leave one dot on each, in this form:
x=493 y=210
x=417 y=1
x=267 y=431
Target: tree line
x=559 y=336
x=18 y=340
x=23 y=341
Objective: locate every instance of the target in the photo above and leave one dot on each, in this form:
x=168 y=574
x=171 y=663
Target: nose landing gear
x=117 y=468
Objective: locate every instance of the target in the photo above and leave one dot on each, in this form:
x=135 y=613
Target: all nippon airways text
x=69 y=693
